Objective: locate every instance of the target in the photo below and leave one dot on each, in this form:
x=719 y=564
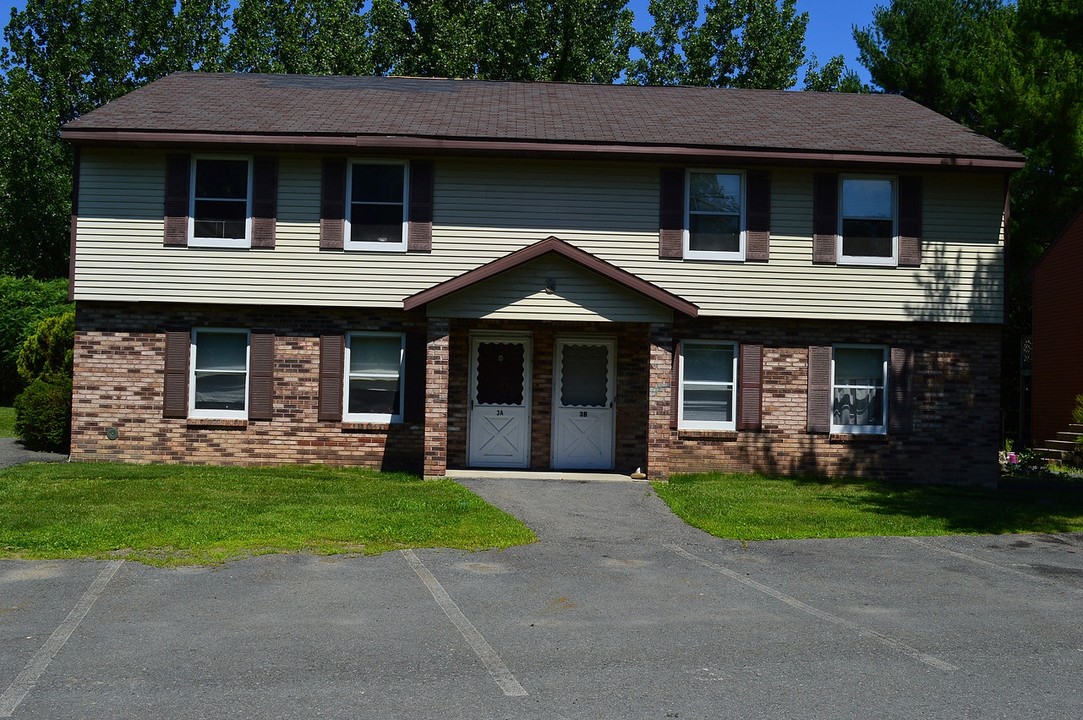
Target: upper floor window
x=715 y=216
x=859 y=389
x=868 y=222
x=374 y=372
x=219 y=380
x=377 y=203
x=221 y=202
x=708 y=384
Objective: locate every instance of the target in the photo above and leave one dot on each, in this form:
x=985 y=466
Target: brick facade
x=119 y=384
x=119 y=380
x=956 y=388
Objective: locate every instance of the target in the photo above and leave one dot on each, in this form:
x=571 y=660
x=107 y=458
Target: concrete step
x=1069 y=436
x=1049 y=454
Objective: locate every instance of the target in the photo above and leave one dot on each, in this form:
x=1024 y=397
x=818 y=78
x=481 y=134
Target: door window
x=584 y=380
x=500 y=373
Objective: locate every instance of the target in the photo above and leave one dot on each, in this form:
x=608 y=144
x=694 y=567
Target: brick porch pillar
x=660 y=401
x=436 y=394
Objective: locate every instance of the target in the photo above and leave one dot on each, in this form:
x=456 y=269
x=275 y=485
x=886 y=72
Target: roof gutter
x=395 y=144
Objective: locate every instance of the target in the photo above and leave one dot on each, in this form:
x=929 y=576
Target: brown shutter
x=675 y=386
x=332 y=359
x=178 y=345
x=261 y=363
x=177 y=186
x=333 y=204
x=419 y=236
x=825 y=218
x=264 y=201
x=900 y=380
x=758 y=217
x=671 y=215
x=819 y=389
x=910 y=221
x=750 y=391
x=415 y=365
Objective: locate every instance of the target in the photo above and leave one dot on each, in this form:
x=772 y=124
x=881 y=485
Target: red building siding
x=1057 y=353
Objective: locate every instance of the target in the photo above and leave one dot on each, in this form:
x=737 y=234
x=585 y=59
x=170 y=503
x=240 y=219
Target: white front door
x=583 y=415
x=499 y=423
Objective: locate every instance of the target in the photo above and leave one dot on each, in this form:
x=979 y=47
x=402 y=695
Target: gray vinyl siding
x=484 y=209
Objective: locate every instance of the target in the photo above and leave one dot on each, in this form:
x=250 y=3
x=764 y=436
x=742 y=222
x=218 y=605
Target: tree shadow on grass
x=1047 y=509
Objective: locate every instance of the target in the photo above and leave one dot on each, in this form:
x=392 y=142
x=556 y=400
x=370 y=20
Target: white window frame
x=892 y=261
x=704 y=424
x=392 y=418
x=862 y=429
x=193 y=239
x=193 y=412
x=690 y=254
x=400 y=246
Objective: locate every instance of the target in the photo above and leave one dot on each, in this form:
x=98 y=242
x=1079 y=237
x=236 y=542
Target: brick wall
x=956 y=386
x=119 y=382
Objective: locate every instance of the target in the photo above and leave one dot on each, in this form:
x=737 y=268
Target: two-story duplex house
x=431 y=274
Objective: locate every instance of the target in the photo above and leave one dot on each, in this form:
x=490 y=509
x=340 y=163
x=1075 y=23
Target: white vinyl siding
x=484 y=210
x=550 y=288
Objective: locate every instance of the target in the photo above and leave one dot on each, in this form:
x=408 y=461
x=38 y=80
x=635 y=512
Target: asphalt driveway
x=12 y=452
x=620 y=611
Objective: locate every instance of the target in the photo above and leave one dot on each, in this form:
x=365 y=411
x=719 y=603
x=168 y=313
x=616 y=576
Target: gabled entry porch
x=542 y=360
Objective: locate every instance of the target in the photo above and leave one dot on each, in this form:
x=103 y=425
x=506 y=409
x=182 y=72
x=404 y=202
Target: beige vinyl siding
x=577 y=294
x=484 y=209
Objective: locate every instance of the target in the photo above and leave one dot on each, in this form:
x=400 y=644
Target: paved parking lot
x=620 y=611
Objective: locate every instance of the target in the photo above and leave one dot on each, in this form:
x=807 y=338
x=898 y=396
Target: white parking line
x=817 y=613
x=482 y=649
x=26 y=680
x=979 y=561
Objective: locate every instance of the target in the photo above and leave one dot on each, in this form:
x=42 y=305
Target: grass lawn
x=7 y=422
x=174 y=515
x=755 y=507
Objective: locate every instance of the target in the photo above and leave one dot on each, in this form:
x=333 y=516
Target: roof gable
x=552 y=246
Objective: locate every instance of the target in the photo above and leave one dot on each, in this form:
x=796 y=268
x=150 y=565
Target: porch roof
x=555 y=246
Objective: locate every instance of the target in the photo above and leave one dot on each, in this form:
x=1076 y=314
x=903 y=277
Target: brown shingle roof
x=450 y=111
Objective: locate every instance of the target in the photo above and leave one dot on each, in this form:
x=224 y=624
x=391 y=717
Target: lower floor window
x=219 y=382
x=858 y=389
x=707 y=384
x=374 y=363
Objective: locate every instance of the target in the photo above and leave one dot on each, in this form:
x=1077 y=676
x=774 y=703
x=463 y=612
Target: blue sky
x=828 y=26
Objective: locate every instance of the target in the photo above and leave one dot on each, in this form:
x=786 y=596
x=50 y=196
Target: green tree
x=49 y=349
x=35 y=182
x=944 y=54
x=310 y=37
x=65 y=58
x=834 y=76
x=662 y=58
x=740 y=43
x=23 y=303
x=524 y=40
